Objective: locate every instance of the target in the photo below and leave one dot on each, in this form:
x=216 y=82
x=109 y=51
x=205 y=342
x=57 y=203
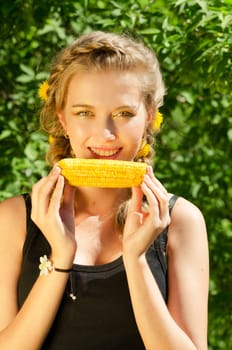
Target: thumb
x=69 y=196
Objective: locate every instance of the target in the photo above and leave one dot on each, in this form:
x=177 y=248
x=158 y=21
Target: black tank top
x=101 y=317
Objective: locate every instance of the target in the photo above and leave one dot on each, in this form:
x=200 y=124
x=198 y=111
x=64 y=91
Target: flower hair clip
x=145 y=148
x=51 y=139
x=43 y=91
x=158 y=120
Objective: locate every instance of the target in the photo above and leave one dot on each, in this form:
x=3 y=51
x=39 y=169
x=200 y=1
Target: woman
x=119 y=268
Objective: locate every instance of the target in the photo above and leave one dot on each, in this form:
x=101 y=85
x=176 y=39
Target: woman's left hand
x=142 y=227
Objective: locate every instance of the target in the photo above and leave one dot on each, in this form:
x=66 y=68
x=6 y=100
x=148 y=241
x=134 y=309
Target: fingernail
x=146 y=178
x=150 y=170
x=55 y=170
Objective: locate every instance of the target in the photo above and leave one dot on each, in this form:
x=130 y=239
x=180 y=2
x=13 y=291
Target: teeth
x=104 y=153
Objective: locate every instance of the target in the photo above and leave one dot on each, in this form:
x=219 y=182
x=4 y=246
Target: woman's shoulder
x=13 y=219
x=187 y=224
x=185 y=211
x=12 y=205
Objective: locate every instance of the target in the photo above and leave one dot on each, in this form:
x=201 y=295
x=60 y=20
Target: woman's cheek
x=76 y=138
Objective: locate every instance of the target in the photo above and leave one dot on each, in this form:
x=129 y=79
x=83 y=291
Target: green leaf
x=229 y=134
x=5 y=134
x=29 y=71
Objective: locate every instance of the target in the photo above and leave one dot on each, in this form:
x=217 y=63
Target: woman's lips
x=104 y=153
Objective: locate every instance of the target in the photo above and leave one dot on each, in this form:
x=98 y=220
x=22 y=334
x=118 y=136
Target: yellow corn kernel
x=102 y=172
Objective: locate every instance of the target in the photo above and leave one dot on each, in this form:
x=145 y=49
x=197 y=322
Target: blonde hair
x=99 y=51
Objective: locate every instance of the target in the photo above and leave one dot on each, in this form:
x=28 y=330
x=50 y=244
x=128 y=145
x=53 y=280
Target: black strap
x=160 y=244
x=172 y=202
x=27 y=199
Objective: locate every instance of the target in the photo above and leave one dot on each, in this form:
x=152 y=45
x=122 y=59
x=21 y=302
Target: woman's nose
x=108 y=134
x=105 y=129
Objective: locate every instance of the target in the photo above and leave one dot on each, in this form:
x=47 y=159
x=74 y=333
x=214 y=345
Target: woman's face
x=104 y=115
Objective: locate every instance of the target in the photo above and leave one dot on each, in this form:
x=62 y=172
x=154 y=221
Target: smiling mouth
x=106 y=153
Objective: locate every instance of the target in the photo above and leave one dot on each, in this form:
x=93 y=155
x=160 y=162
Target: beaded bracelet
x=46 y=266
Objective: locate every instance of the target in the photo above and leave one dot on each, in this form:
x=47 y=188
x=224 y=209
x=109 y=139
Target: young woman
x=120 y=268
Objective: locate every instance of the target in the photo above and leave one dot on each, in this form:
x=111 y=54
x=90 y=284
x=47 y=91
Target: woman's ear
x=149 y=118
x=62 y=119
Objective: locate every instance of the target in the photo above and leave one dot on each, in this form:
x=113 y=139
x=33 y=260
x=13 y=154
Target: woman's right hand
x=53 y=212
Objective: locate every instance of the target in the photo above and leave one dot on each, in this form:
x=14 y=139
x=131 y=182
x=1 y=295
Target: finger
x=67 y=212
x=150 y=173
x=158 y=217
x=160 y=194
x=41 y=192
x=45 y=186
x=56 y=197
x=153 y=203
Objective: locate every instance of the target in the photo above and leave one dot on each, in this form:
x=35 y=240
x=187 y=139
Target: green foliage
x=193 y=42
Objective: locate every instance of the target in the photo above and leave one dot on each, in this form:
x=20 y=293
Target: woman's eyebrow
x=82 y=106
x=131 y=107
x=127 y=106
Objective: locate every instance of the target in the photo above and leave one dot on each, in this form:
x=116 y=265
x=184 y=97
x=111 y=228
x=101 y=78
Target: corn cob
x=102 y=172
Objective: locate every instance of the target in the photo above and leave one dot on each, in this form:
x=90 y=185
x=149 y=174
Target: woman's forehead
x=104 y=86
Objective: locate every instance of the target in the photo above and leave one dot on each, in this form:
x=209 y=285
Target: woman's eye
x=123 y=114
x=84 y=114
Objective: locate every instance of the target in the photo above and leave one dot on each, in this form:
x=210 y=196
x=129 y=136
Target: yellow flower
x=158 y=121
x=42 y=92
x=51 y=139
x=144 y=150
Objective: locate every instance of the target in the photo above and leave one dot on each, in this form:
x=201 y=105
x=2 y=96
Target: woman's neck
x=99 y=201
x=99 y=241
